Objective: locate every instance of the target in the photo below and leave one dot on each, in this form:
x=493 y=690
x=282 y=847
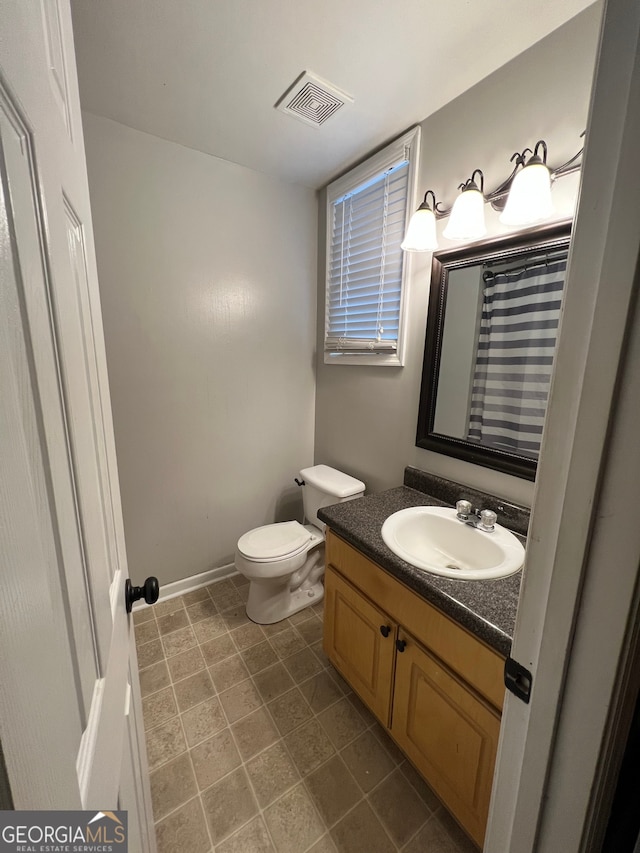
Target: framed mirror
x=494 y=311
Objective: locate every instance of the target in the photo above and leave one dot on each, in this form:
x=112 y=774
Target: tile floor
x=256 y=744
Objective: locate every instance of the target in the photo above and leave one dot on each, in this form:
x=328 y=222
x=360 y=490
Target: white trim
x=375 y=165
x=548 y=754
x=172 y=590
x=87 y=751
x=407 y=145
x=127 y=699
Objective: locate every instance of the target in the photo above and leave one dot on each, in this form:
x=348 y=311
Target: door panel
x=56 y=59
x=354 y=642
x=32 y=623
x=80 y=382
x=65 y=689
x=449 y=734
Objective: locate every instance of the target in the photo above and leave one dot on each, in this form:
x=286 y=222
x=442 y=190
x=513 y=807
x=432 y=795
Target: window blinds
x=364 y=286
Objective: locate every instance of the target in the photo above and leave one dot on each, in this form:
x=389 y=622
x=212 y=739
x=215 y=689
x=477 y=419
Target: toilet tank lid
x=332 y=481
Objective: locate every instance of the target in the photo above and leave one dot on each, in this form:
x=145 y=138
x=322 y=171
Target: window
x=367 y=214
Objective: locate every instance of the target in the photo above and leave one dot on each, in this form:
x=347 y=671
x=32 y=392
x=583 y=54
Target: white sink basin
x=433 y=539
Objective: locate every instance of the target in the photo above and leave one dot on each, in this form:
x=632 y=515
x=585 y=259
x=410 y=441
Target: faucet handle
x=463 y=508
x=488 y=519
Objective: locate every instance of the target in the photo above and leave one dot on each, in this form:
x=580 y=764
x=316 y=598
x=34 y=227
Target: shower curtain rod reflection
x=488 y=275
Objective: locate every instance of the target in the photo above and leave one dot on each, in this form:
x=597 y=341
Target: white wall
x=208 y=284
x=366 y=416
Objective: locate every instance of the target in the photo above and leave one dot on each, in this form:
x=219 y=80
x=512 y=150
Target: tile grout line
x=188 y=749
x=232 y=733
x=369 y=720
x=301 y=779
x=227 y=630
x=265 y=703
x=242 y=766
x=417 y=833
x=298 y=782
x=250 y=677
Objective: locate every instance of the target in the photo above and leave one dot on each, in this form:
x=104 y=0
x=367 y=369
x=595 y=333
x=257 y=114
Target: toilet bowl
x=284 y=562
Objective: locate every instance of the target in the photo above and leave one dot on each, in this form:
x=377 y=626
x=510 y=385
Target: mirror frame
x=512 y=245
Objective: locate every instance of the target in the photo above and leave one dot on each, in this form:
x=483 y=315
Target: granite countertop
x=486 y=608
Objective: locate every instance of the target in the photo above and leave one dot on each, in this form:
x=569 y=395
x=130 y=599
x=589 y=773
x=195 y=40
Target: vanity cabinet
x=436 y=688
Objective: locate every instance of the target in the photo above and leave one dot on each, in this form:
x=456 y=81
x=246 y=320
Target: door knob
x=149 y=590
x=401 y=645
x=385 y=630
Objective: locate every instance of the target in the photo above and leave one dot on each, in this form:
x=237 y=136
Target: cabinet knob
x=401 y=645
x=385 y=630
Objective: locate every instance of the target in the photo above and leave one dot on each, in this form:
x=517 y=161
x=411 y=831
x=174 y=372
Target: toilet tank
x=324 y=486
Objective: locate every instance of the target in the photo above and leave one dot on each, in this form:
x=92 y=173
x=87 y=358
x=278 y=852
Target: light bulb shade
x=421 y=233
x=466 y=221
x=529 y=198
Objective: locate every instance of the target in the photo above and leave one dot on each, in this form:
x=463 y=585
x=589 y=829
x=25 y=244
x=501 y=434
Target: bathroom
x=221 y=380
x=212 y=270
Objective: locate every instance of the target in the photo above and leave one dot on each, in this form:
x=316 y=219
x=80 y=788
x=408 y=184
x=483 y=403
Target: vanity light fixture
x=466 y=221
x=523 y=199
x=529 y=198
x=421 y=233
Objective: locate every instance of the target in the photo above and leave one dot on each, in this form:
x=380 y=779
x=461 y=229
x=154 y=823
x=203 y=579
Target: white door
x=69 y=698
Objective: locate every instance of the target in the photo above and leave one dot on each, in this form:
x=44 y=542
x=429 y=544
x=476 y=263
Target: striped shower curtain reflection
x=516 y=346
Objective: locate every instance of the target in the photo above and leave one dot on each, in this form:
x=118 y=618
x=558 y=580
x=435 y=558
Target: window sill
x=373 y=360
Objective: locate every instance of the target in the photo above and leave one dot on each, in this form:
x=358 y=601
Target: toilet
x=284 y=562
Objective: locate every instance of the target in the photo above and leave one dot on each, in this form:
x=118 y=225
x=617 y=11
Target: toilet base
x=267 y=604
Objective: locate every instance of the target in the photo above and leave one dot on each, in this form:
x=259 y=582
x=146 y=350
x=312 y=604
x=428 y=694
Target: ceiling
x=207 y=73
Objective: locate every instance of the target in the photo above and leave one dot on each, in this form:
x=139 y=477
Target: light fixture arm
x=571 y=165
x=540 y=144
x=436 y=207
x=505 y=186
x=472 y=183
x=433 y=196
x=497 y=198
x=425 y=204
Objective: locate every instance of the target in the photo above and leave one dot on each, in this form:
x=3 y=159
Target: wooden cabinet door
x=356 y=645
x=448 y=733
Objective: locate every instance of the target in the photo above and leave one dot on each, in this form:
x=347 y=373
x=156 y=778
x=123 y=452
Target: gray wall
x=208 y=284
x=366 y=416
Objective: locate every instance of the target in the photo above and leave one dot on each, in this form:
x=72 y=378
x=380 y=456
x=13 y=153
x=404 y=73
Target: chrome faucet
x=482 y=519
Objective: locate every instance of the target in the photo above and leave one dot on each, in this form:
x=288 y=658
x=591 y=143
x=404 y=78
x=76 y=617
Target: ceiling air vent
x=312 y=100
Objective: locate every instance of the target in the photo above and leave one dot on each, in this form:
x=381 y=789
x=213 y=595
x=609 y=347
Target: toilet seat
x=273 y=542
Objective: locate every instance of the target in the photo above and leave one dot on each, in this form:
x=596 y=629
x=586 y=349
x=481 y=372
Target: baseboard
x=171 y=590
